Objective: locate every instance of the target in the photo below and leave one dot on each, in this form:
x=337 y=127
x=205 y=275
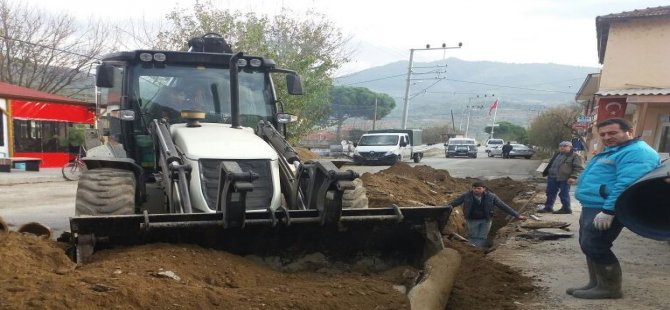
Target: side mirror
x=294 y=84
x=104 y=76
x=355 y=144
x=479 y=144
x=446 y=144
x=285 y=118
x=403 y=144
x=124 y=115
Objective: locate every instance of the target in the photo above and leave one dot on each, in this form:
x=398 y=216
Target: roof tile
x=12 y=91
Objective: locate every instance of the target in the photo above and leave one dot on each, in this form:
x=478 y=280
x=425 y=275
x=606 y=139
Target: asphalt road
x=482 y=167
x=49 y=203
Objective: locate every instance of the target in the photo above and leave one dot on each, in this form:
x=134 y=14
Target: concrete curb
x=28 y=177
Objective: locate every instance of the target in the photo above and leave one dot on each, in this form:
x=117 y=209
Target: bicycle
x=72 y=170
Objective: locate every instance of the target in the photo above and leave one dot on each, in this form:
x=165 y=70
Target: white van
x=382 y=148
x=491 y=143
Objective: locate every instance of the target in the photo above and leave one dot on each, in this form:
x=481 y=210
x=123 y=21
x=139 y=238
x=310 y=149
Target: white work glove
x=603 y=221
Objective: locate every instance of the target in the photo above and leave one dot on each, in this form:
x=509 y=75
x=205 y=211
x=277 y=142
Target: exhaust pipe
x=36 y=229
x=643 y=207
x=3 y=226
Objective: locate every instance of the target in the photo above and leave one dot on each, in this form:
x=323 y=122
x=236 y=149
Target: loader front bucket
x=396 y=235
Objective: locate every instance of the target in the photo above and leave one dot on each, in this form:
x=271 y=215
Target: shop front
x=35 y=124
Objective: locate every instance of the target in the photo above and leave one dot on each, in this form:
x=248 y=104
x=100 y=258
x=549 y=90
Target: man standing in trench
x=478 y=206
x=624 y=160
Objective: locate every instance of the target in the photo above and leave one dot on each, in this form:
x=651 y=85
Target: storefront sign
x=580 y=125
x=584 y=119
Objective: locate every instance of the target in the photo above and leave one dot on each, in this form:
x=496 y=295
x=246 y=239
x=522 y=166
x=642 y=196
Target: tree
x=348 y=102
x=50 y=53
x=355 y=134
x=307 y=43
x=553 y=126
x=438 y=134
x=509 y=132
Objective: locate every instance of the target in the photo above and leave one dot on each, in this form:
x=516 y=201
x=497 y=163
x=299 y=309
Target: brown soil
x=306 y=154
x=483 y=283
x=36 y=273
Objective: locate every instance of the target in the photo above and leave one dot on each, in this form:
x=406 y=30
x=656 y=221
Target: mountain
x=441 y=87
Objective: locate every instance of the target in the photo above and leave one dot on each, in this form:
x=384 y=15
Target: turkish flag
x=494 y=105
x=611 y=108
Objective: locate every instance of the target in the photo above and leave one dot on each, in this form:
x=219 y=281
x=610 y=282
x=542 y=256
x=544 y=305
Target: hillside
x=524 y=90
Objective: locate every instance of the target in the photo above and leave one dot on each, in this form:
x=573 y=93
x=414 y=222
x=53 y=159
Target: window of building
x=2 y=129
x=47 y=136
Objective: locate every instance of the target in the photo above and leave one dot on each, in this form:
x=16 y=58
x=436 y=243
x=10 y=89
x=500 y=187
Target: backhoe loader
x=195 y=151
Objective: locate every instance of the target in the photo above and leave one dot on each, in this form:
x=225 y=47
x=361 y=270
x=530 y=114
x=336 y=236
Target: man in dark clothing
x=478 y=206
x=563 y=170
x=506 y=149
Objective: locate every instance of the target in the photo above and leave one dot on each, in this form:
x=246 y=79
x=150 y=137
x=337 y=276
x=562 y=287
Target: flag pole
x=493 y=125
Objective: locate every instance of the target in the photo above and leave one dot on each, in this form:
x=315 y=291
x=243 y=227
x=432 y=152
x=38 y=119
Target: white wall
x=4 y=148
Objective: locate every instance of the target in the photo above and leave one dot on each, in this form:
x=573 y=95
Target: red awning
x=45 y=111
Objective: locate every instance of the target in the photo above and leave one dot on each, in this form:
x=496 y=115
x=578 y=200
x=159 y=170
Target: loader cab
x=137 y=87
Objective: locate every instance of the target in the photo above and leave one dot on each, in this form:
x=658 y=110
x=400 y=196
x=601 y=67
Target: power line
x=507 y=86
x=476 y=83
x=379 y=79
x=49 y=47
x=423 y=91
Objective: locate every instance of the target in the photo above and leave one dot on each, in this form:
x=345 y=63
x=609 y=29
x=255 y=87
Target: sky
x=380 y=32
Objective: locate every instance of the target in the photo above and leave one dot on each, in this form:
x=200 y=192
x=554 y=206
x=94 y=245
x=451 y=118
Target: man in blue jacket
x=478 y=206
x=624 y=160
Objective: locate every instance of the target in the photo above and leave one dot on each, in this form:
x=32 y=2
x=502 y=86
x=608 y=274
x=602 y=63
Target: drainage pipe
x=644 y=207
x=36 y=229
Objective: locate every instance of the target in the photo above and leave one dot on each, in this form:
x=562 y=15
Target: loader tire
x=106 y=191
x=355 y=198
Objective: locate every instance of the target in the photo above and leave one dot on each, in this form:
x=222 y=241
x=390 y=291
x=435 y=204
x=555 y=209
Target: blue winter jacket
x=611 y=171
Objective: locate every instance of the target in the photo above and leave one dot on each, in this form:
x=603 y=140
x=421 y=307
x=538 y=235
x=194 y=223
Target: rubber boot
x=592 y=279
x=609 y=283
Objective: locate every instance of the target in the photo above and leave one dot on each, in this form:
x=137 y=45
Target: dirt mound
x=36 y=273
x=409 y=186
x=306 y=154
x=421 y=185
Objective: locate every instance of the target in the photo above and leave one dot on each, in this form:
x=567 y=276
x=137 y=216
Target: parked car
x=518 y=150
x=465 y=147
x=491 y=143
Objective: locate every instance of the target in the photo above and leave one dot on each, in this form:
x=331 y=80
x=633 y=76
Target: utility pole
x=409 y=76
x=465 y=113
x=374 y=120
x=470 y=108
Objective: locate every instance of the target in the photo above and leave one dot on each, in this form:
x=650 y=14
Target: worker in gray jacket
x=562 y=172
